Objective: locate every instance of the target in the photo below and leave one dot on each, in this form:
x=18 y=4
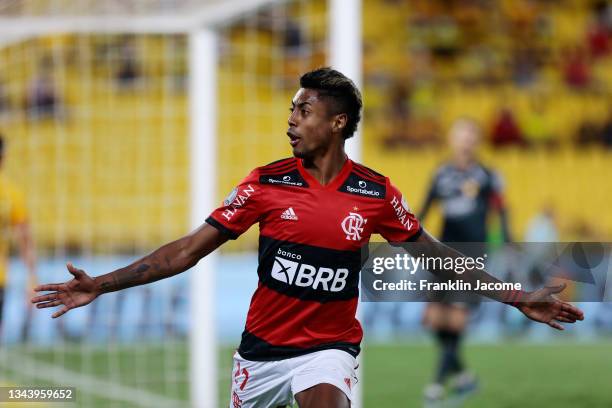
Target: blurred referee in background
x=468 y=192
x=13 y=219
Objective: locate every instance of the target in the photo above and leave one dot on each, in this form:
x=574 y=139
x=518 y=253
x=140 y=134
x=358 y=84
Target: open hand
x=77 y=292
x=543 y=307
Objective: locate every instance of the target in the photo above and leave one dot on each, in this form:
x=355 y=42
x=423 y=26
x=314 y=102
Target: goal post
x=207 y=30
x=345 y=52
x=203 y=46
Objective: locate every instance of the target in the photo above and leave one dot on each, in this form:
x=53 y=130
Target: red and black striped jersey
x=310 y=252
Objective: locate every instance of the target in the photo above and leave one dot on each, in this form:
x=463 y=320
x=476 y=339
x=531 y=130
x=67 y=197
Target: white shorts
x=269 y=384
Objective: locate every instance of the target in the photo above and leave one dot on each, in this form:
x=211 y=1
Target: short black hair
x=341 y=90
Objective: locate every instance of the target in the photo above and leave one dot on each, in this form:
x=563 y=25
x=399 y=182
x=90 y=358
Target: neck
x=325 y=167
x=462 y=162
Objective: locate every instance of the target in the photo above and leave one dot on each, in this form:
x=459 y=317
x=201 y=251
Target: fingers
x=551 y=290
x=565 y=319
x=555 y=325
x=572 y=310
x=567 y=315
x=60 y=312
x=49 y=304
x=44 y=298
x=77 y=273
x=55 y=287
x=49 y=287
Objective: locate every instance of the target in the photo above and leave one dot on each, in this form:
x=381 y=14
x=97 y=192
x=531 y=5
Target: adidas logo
x=289 y=214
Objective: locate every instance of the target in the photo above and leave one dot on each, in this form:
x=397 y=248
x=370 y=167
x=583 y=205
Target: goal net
x=98 y=112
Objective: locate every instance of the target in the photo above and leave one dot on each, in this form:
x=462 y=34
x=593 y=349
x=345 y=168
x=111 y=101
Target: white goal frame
x=344 y=50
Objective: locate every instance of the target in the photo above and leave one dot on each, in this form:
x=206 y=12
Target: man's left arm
x=398 y=224
x=539 y=305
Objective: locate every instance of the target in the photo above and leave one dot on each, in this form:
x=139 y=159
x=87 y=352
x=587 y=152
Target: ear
x=339 y=122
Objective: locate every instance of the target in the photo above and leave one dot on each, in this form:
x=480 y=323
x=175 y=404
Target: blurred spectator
x=587 y=134
x=42 y=101
x=600 y=30
x=293 y=37
x=506 y=130
x=599 y=41
x=412 y=123
x=524 y=66
x=15 y=222
x=590 y=133
x=438 y=30
x=399 y=115
x=577 y=71
x=128 y=71
x=542 y=227
x=537 y=128
x=478 y=66
x=445 y=37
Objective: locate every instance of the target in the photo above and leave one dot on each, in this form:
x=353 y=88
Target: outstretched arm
x=168 y=260
x=540 y=305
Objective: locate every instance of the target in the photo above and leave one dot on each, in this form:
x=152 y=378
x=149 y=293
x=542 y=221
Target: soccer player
x=14 y=219
x=315 y=211
x=468 y=193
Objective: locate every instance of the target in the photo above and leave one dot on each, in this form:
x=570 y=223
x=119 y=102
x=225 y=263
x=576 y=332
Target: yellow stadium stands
x=112 y=172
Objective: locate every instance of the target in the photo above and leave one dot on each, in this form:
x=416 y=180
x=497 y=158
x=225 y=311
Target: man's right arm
x=168 y=260
x=240 y=210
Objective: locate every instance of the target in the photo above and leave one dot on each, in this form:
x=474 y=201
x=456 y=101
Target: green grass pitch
x=511 y=374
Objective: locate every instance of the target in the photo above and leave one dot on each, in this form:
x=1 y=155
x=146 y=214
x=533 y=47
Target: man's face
x=464 y=139
x=311 y=124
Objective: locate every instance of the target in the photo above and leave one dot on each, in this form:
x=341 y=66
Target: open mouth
x=293 y=138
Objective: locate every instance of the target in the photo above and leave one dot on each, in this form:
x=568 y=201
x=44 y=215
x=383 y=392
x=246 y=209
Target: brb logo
x=304 y=275
x=352 y=226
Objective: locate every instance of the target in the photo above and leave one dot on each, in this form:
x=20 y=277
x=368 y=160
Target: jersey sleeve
x=18 y=212
x=397 y=223
x=240 y=209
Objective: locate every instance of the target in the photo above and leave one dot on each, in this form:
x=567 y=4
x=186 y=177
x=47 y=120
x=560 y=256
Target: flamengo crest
x=352 y=225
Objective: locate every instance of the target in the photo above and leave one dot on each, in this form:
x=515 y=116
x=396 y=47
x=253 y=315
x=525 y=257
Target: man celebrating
x=315 y=211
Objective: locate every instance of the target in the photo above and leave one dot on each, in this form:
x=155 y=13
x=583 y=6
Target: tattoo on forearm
x=125 y=279
x=132 y=277
x=108 y=286
x=154 y=267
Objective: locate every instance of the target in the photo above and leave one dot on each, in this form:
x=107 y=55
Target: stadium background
x=106 y=173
